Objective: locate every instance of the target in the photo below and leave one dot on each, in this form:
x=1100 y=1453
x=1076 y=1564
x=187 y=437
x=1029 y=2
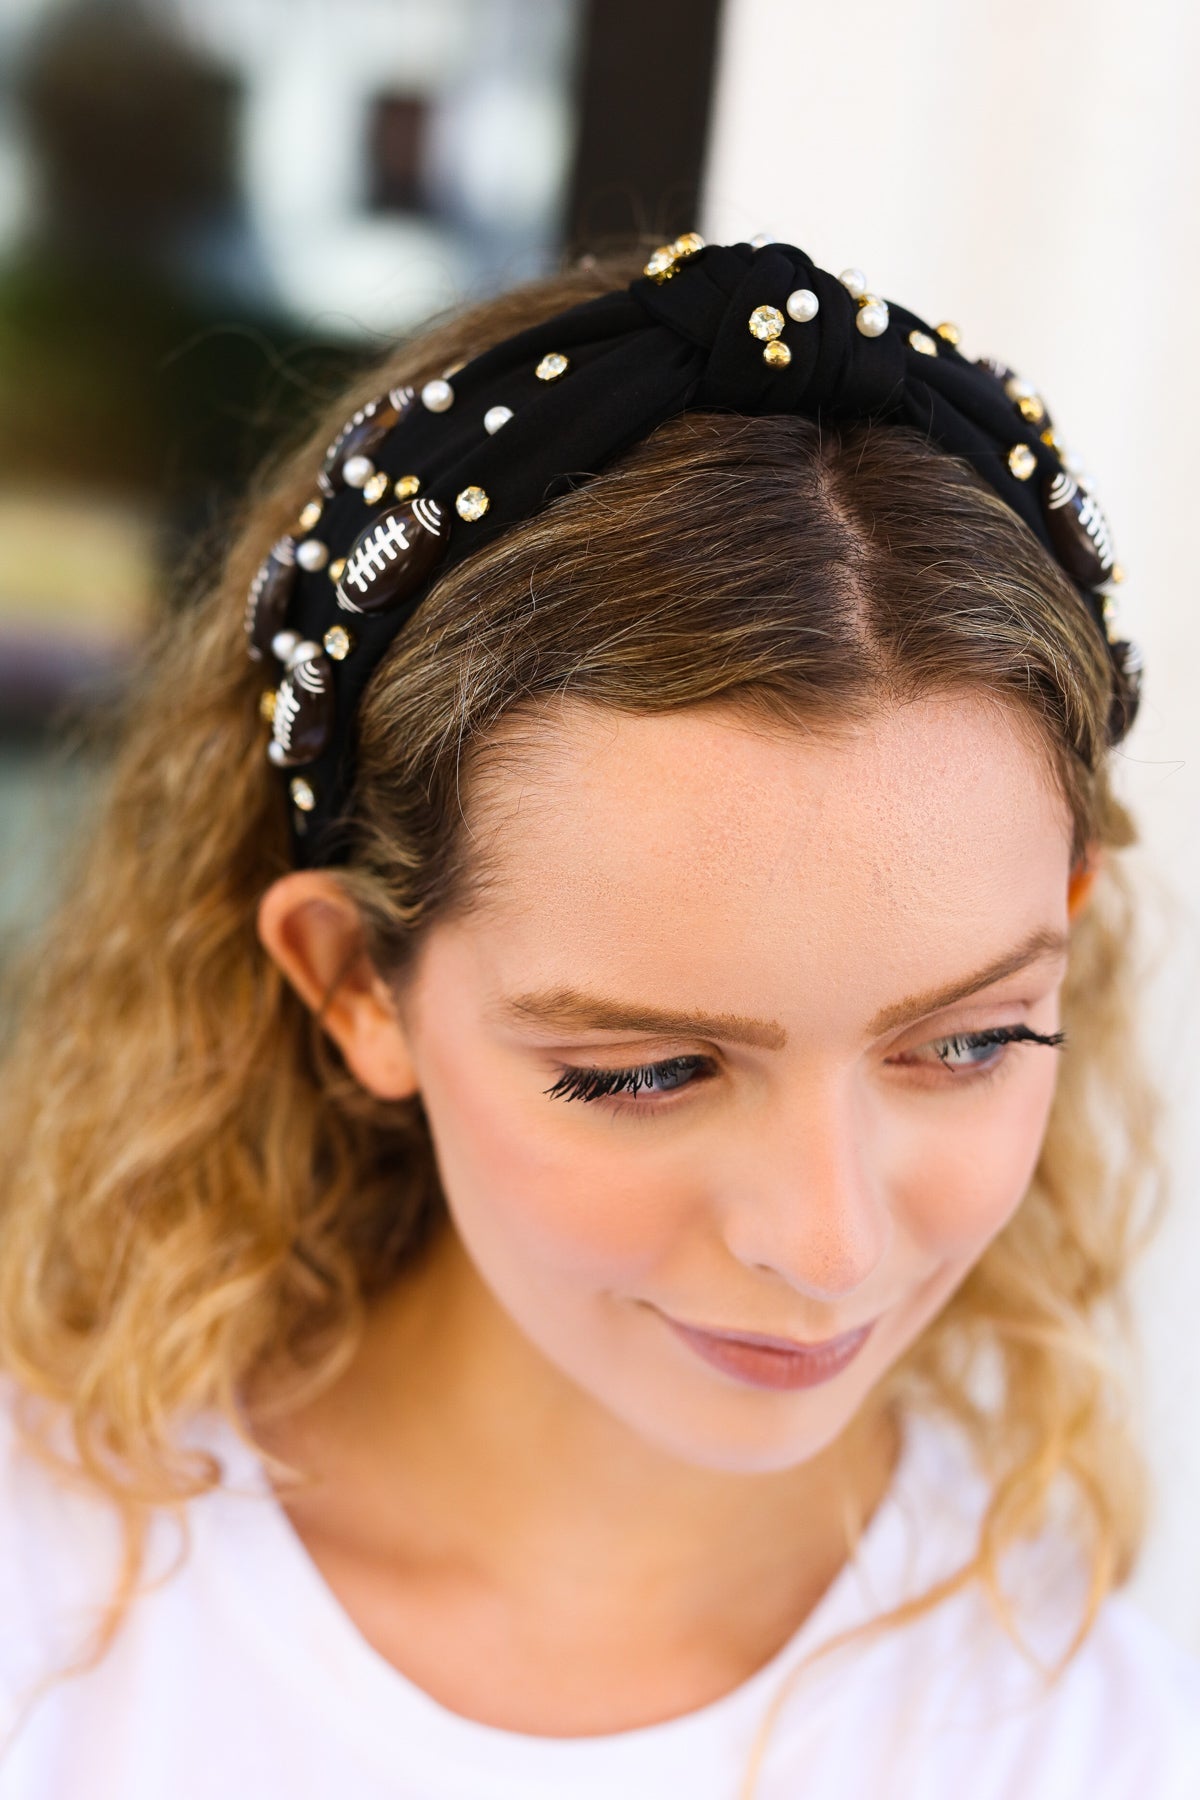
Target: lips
x=771 y=1362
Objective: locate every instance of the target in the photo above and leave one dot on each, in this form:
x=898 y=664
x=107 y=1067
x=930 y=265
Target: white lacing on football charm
x=378 y=548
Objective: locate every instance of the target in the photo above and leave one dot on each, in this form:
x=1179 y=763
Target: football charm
x=303 y=717
x=393 y=557
x=267 y=601
x=360 y=438
x=1079 y=530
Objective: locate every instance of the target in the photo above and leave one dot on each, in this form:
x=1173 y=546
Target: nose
x=806 y=1198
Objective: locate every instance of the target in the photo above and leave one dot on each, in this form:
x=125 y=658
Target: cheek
x=524 y=1185
x=964 y=1179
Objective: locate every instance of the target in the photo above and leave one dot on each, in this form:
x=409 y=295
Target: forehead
x=666 y=846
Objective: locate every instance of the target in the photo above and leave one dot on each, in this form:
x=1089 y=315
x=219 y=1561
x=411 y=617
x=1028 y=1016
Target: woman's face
x=773 y=930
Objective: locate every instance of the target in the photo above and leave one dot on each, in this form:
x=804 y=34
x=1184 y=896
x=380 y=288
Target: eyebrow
x=568 y=1007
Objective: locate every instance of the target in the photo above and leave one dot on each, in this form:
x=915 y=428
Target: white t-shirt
x=243 y=1677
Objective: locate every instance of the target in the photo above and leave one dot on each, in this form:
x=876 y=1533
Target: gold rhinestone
x=921 y=340
x=1022 y=461
x=661 y=265
x=1116 y=574
x=302 y=793
x=1031 y=409
x=776 y=354
x=949 y=332
x=688 y=245
x=472 y=503
x=338 y=643
x=407 y=486
x=766 y=322
x=266 y=704
x=310 y=514
x=1049 y=438
x=376 y=488
x=551 y=367
x=1108 y=609
x=337 y=569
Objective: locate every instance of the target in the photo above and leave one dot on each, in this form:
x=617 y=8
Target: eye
x=575 y=1083
x=961 y=1053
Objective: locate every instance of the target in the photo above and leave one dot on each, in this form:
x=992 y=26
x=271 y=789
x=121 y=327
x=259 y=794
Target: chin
x=744 y=1431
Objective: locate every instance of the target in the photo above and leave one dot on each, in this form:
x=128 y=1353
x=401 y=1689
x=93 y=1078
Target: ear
x=1082 y=877
x=312 y=929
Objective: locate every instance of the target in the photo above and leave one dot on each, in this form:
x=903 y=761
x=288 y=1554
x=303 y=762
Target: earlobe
x=310 y=927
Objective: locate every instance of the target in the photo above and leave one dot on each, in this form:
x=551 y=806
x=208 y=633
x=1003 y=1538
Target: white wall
x=1032 y=172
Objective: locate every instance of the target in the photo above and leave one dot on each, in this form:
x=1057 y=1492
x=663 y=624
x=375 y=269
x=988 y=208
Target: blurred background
x=212 y=210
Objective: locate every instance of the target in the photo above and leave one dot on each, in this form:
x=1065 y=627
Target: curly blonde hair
x=195 y=1192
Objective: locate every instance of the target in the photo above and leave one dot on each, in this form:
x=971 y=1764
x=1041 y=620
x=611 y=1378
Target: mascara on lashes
x=577 y=1082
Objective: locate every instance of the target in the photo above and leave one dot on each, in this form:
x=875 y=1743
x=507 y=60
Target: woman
x=587 y=1165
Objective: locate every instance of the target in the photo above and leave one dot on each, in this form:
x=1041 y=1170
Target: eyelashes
x=576 y=1082
x=592 y=1084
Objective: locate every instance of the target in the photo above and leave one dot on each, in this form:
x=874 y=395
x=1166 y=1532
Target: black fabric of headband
x=414 y=483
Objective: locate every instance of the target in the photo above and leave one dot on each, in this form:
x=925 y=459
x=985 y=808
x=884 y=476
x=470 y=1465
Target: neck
x=450 y=1441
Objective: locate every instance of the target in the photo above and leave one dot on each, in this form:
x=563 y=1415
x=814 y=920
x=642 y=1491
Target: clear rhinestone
x=690 y=244
x=310 y=514
x=776 y=354
x=407 y=486
x=551 y=367
x=1022 y=461
x=338 y=642
x=766 y=322
x=921 y=340
x=661 y=265
x=302 y=793
x=437 y=395
x=472 y=503
x=1031 y=408
x=376 y=488
x=495 y=417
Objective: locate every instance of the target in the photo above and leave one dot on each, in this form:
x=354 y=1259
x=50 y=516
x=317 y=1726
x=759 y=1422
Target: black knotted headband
x=415 y=482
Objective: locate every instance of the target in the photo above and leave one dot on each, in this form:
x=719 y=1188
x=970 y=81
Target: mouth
x=771 y=1362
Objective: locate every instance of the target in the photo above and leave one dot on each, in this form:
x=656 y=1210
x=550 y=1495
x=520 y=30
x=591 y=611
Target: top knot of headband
x=415 y=482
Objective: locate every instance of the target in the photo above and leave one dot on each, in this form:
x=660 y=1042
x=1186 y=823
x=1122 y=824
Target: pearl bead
x=312 y=553
x=303 y=650
x=357 y=471
x=802 y=305
x=854 y=282
x=495 y=417
x=872 y=319
x=437 y=395
x=760 y=240
x=283 y=643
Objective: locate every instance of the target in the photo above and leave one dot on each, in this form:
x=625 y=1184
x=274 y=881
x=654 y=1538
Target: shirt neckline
x=305 y=1631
